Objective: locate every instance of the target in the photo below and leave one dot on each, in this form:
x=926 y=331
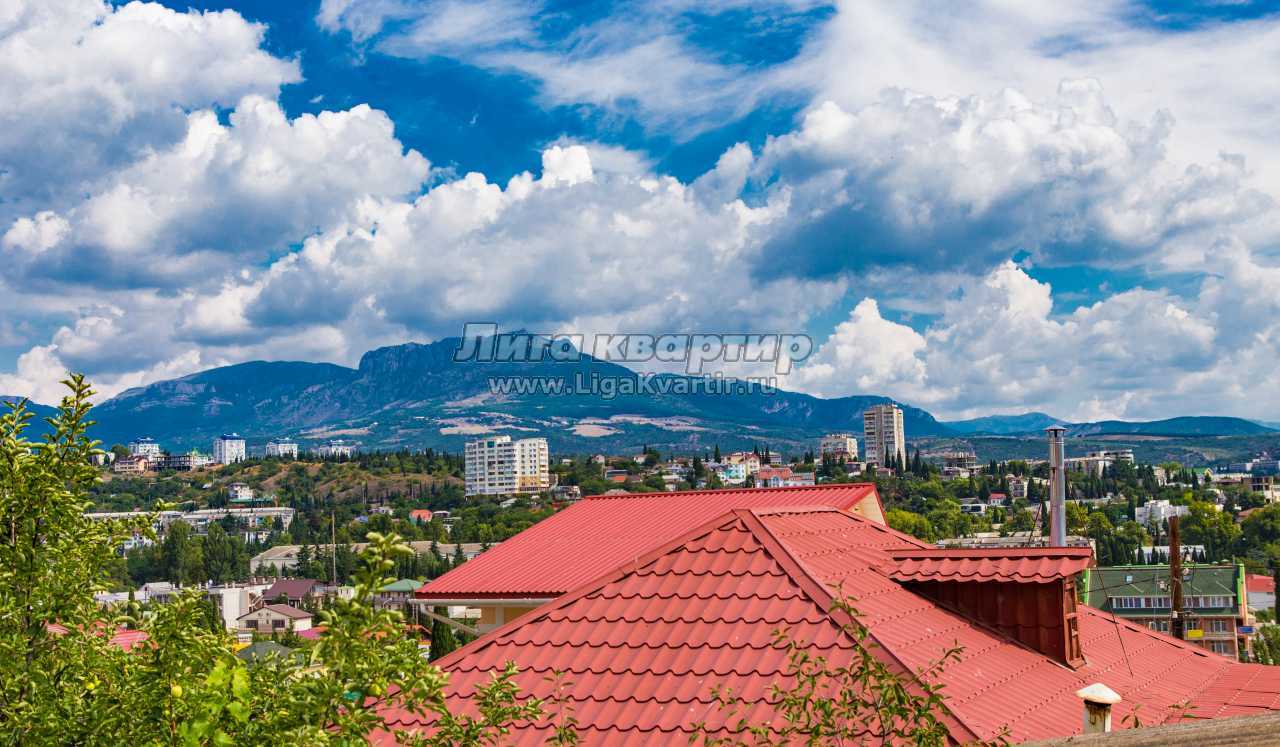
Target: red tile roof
x=1258 y=583
x=292 y=613
x=1022 y=565
x=599 y=533
x=642 y=648
x=292 y=588
x=125 y=638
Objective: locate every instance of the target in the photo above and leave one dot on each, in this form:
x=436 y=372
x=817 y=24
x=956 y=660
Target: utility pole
x=1178 y=626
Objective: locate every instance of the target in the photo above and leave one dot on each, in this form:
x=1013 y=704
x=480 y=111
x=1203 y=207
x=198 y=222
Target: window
x=1193 y=623
x=1218 y=626
x=277 y=624
x=1220 y=647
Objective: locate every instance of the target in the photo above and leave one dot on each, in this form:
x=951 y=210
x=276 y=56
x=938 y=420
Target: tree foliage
x=63 y=681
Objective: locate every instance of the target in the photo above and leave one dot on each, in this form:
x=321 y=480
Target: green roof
x=404 y=584
x=262 y=649
x=1105 y=584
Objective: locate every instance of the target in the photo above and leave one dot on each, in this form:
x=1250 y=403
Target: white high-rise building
x=499 y=466
x=282 y=447
x=839 y=446
x=228 y=448
x=883 y=434
x=144 y=447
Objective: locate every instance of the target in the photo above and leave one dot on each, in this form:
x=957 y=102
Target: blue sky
x=1067 y=209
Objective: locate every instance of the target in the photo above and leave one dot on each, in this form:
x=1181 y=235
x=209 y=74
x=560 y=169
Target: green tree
x=62 y=680
x=181 y=559
x=442 y=639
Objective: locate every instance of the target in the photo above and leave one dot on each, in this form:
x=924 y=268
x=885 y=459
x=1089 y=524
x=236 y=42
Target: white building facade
x=283 y=448
x=228 y=448
x=883 y=434
x=499 y=466
x=839 y=446
x=144 y=447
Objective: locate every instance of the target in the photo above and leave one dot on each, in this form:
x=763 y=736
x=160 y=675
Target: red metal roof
x=1258 y=583
x=599 y=533
x=643 y=648
x=1017 y=565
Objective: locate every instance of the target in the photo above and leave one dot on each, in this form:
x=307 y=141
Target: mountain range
x=416 y=396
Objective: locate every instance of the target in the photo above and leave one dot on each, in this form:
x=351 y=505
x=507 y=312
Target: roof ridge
x=719 y=522
x=799 y=571
x=715 y=491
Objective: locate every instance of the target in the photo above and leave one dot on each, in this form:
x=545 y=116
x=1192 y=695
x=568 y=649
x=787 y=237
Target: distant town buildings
x=182 y=462
x=1017 y=486
x=228 y=448
x=883 y=434
x=498 y=465
x=959 y=464
x=1157 y=512
x=253 y=524
x=335 y=449
x=144 y=447
x=1095 y=462
x=782 y=477
x=130 y=465
x=283 y=448
x=238 y=492
x=749 y=460
x=839 y=446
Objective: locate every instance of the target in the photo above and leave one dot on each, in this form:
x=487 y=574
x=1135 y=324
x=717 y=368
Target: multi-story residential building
x=144 y=447
x=532 y=461
x=337 y=449
x=1267 y=485
x=1157 y=512
x=749 y=460
x=883 y=434
x=239 y=492
x=499 y=466
x=228 y=448
x=1214 y=603
x=839 y=446
x=282 y=447
x=1094 y=462
x=1017 y=486
x=255 y=524
x=183 y=462
x=130 y=465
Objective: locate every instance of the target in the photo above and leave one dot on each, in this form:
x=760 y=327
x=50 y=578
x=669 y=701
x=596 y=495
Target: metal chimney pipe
x=1057 y=487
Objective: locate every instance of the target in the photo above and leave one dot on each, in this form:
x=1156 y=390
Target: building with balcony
x=144 y=447
x=282 y=448
x=228 y=448
x=883 y=435
x=841 y=447
x=500 y=466
x=1214 y=602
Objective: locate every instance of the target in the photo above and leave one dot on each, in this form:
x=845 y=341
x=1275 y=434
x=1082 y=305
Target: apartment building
x=228 y=448
x=144 y=447
x=500 y=466
x=281 y=447
x=1157 y=512
x=883 y=434
x=1214 y=602
x=839 y=446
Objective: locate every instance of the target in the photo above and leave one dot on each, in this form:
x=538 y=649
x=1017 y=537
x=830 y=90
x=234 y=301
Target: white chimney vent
x=1098 y=699
x=1057 y=487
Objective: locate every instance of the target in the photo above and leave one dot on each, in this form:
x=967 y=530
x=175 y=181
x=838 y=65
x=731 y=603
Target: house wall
x=496 y=616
